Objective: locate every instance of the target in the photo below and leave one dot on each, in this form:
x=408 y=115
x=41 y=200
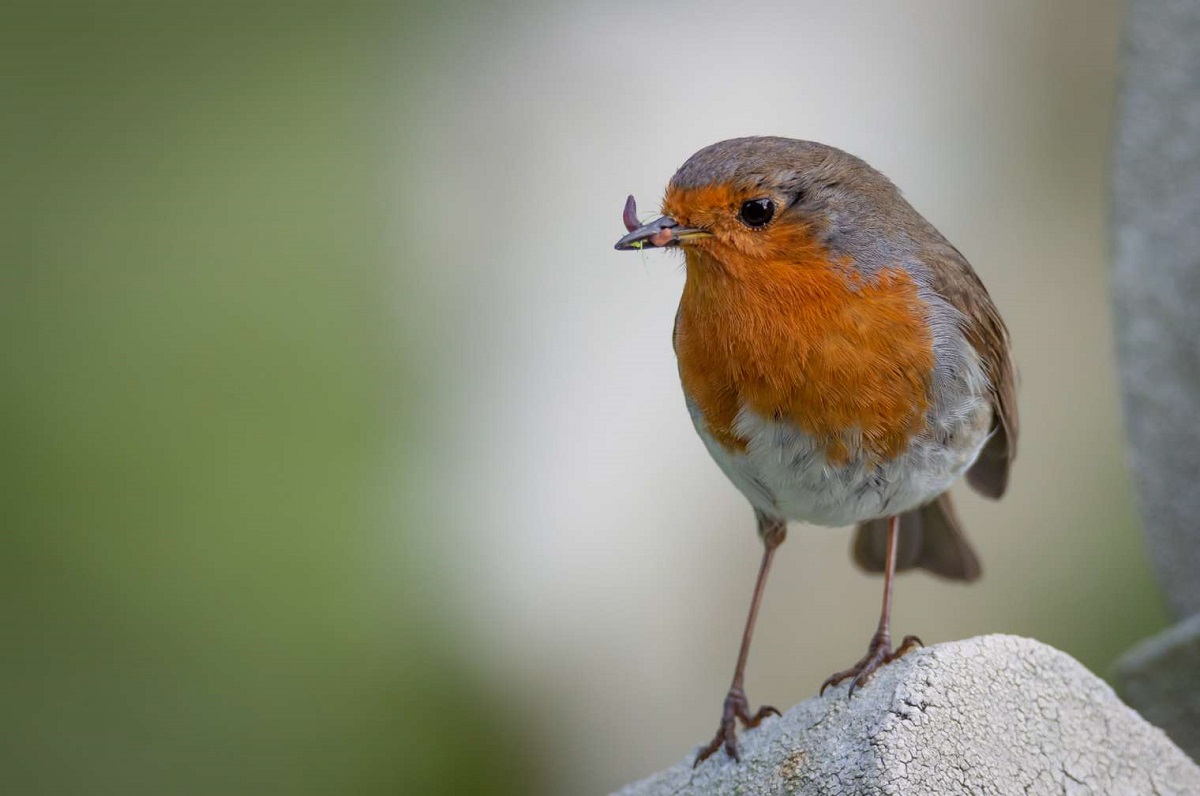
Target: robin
x=841 y=361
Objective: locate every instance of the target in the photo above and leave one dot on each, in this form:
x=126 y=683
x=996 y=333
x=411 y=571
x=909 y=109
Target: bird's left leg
x=737 y=707
x=879 y=651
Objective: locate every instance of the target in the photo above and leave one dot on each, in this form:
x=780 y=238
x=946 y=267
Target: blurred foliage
x=209 y=584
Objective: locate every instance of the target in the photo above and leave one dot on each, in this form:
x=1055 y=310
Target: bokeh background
x=343 y=453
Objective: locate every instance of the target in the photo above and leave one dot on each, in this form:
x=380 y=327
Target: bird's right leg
x=737 y=708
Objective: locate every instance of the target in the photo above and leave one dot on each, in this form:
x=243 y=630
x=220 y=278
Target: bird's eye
x=757 y=212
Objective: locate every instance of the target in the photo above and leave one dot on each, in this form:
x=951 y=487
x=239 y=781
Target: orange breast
x=808 y=341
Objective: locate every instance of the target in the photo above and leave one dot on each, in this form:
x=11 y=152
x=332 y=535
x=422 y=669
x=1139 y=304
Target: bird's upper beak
x=659 y=233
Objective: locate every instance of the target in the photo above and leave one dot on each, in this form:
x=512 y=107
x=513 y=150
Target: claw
x=879 y=657
x=750 y=722
x=879 y=654
x=713 y=746
x=736 y=709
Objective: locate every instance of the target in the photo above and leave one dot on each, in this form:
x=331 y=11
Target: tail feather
x=930 y=537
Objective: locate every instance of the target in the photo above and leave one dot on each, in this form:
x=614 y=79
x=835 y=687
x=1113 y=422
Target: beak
x=659 y=233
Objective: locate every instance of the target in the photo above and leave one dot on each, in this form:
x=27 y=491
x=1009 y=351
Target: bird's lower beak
x=659 y=233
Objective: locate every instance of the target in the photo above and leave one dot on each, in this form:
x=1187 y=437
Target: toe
x=749 y=722
x=708 y=750
x=909 y=644
x=834 y=679
x=859 y=681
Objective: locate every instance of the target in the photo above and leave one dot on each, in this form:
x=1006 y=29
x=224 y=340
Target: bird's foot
x=879 y=653
x=736 y=709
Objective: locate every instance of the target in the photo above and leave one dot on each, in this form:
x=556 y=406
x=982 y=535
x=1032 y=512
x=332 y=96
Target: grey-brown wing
x=956 y=282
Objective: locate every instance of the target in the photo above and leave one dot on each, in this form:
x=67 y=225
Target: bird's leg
x=737 y=708
x=879 y=651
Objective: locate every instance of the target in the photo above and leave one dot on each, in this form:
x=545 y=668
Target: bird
x=841 y=361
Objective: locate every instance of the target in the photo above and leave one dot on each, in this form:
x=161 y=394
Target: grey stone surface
x=1156 y=281
x=990 y=715
x=1159 y=678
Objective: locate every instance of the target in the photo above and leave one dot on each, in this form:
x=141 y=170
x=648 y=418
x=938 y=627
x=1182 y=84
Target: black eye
x=757 y=212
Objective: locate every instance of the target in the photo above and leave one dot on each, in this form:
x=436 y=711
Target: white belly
x=785 y=473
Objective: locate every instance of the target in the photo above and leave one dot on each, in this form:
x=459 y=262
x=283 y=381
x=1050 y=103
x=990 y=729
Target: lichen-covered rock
x=989 y=715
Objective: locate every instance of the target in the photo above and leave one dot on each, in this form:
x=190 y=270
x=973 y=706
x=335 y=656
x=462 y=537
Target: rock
x=1160 y=675
x=1156 y=282
x=989 y=715
x=1156 y=289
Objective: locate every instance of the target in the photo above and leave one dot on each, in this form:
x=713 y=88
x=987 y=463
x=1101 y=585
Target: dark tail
x=930 y=537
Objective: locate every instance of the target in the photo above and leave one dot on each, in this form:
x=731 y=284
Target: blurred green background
x=209 y=415
x=344 y=455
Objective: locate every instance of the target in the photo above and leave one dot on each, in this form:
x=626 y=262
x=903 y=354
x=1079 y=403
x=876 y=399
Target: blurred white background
x=599 y=562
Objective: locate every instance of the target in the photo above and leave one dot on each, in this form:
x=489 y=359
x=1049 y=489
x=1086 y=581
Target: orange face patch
x=715 y=208
x=794 y=335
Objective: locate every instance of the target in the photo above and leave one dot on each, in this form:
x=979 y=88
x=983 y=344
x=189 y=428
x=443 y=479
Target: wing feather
x=956 y=282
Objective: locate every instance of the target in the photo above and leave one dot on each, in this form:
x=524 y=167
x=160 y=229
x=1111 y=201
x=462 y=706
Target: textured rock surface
x=1156 y=281
x=990 y=715
x=1161 y=674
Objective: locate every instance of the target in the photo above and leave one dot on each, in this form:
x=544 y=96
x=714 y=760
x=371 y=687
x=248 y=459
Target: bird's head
x=754 y=200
